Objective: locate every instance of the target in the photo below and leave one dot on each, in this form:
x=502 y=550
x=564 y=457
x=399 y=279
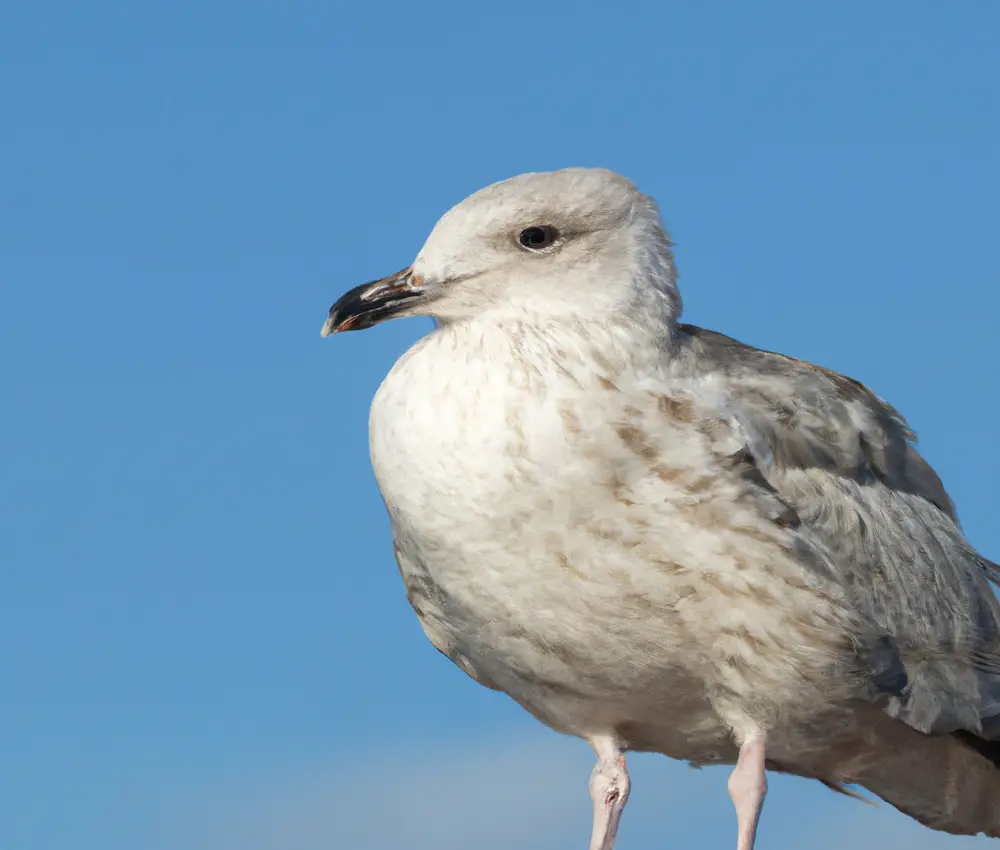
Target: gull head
x=576 y=245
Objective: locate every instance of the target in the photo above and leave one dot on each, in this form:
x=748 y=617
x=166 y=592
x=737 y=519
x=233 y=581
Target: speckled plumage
x=643 y=530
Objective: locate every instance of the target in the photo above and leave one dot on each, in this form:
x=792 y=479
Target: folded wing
x=844 y=461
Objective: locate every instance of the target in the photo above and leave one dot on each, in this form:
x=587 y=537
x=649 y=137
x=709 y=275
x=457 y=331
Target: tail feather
x=987 y=749
x=946 y=782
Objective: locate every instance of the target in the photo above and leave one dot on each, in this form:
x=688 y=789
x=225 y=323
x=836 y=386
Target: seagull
x=656 y=538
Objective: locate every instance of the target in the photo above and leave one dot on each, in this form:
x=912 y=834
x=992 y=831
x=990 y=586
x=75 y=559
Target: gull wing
x=845 y=462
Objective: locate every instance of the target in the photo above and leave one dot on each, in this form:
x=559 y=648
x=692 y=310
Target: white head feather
x=611 y=255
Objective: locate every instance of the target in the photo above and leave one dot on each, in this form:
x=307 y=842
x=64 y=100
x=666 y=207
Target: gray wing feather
x=844 y=461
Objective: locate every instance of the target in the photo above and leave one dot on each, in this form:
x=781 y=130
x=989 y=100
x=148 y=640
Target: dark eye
x=537 y=238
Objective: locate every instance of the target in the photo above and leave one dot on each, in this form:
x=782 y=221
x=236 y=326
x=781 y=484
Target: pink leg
x=747 y=787
x=609 y=787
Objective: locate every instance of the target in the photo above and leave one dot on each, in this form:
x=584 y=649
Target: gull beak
x=374 y=302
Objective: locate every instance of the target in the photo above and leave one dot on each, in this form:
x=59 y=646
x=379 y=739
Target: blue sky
x=206 y=645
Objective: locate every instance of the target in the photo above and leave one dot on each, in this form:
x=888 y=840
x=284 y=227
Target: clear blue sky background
x=205 y=641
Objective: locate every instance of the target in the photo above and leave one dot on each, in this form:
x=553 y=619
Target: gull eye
x=537 y=238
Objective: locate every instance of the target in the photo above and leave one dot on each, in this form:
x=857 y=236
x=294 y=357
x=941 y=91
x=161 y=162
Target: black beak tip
x=370 y=303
